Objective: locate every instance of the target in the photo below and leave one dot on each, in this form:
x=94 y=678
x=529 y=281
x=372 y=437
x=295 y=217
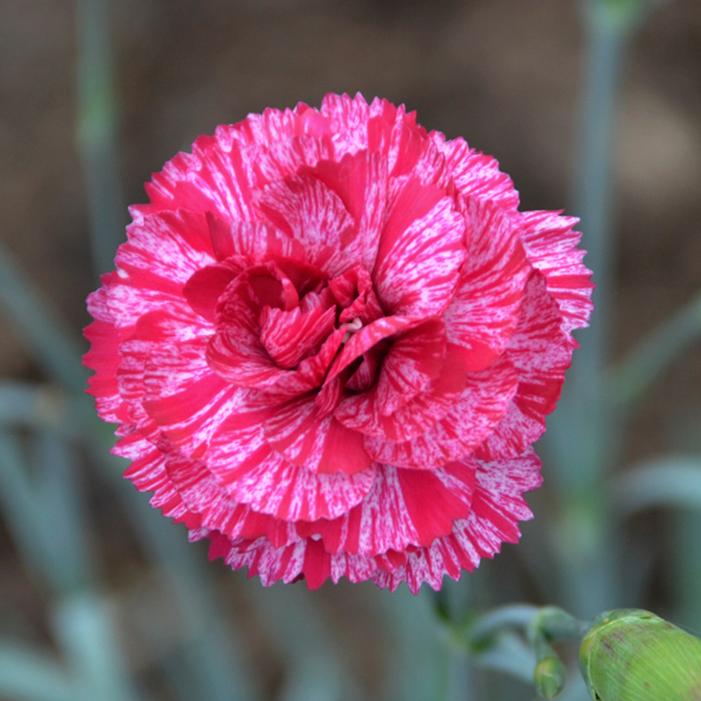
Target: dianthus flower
x=330 y=342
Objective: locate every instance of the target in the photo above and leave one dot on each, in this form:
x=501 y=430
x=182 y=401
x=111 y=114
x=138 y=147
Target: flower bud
x=634 y=655
x=549 y=677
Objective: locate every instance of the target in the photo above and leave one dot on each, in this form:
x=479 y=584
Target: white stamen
x=351 y=328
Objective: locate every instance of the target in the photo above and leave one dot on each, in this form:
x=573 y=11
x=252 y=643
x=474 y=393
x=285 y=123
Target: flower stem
x=513 y=616
x=515 y=639
x=96 y=132
x=29 y=673
x=582 y=441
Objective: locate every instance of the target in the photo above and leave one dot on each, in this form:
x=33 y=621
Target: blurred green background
x=593 y=106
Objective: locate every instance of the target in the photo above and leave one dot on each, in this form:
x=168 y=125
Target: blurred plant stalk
x=45 y=516
x=582 y=441
x=517 y=640
x=97 y=131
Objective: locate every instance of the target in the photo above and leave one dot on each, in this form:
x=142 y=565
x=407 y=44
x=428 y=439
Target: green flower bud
x=634 y=655
x=549 y=677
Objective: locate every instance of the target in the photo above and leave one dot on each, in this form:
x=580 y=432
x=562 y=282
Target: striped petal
x=403 y=508
x=254 y=474
x=484 y=311
x=315 y=440
x=498 y=507
x=423 y=437
x=540 y=352
x=474 y=174
x=421 y=251
x=551 y=244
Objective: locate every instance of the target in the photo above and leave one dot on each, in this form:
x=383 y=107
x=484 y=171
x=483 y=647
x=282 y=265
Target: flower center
x=282 y=319
x=351 y=328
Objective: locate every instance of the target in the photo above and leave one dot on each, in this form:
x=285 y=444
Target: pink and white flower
x=330 y=342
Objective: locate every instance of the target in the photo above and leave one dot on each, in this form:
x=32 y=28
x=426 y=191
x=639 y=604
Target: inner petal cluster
x=279 y=316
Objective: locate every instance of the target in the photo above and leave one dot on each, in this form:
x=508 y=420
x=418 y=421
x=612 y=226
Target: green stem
x=581 y=434
x=552 y=624
x=513 y=616
x=305 y=642
x=496 y=639
x=509 y=655
x=579 y=419
x=59 y=491
x=96 y=131
x=26 y=404
x=85 y=628
x=687 y=527
x=27 y=674
x=215 y=656
x=44 y=512
x=27 y=515
x=415 y=667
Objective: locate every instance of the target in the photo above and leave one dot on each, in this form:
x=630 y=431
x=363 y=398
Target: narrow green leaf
x=673 y=481
x=27 y=674
x=638 y=372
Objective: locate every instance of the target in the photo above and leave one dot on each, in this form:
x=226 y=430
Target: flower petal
x=103 y=358
x=348 y=121
x=311 y=214
x=457 y=425
x=360 y=181
x=223 y=170
x=366 y=338
x=315 y=441
x=485 y=309
x=289 y=336
x=551 y=245
x=421 y=251
x=256 y=475
x=164 y=250
x=206 y=285
x=540 y=352
x=413 y=362
x=166 y=381
x=217 y=510
x=474 y=174
x=147 y=472
x=497 y=508
x=403 y=508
